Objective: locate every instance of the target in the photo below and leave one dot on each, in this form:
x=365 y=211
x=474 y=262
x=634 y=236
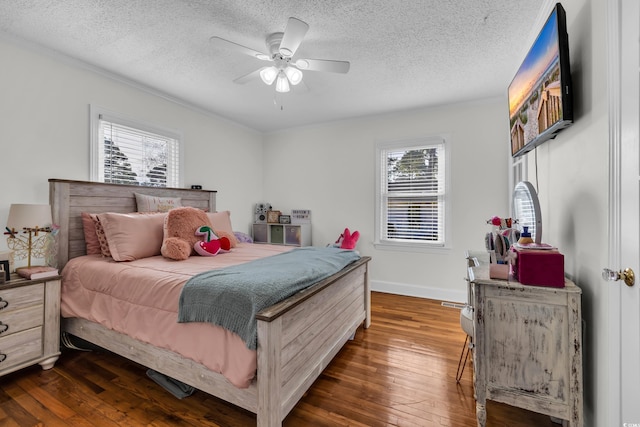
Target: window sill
x=411 y=247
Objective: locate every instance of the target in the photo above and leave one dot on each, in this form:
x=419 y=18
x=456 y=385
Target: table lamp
x=25 y=223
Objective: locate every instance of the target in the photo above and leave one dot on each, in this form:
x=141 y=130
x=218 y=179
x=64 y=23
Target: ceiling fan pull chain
x=275 y=101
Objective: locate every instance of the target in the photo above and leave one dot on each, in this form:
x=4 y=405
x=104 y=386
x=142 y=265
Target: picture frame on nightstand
x=273 y=217
x=5 y=270
x=285 y=219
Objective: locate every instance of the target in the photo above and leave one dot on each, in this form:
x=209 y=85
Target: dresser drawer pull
x=3 y=303
x=3 y=327
x=3 y=357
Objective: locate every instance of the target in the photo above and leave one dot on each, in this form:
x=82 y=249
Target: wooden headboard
x=69 y=199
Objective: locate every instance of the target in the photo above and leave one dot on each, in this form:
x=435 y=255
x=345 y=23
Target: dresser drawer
x=21 y=297
x=20 y=320
x=20 y=347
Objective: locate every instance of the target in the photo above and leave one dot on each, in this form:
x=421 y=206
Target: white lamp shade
x=294 y=75
x=268 y=74
x=282 y=84
x=28 y=216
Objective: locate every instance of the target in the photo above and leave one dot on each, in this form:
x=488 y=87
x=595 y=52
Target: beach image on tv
x=535 y=101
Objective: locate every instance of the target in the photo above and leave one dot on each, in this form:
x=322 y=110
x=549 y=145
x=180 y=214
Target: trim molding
x=614 y=46
x=78 y=63
x=412 y=290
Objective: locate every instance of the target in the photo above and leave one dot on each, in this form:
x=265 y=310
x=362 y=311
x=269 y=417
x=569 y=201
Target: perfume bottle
x=525 y=237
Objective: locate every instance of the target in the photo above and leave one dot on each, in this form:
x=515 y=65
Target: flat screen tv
x=540 y=98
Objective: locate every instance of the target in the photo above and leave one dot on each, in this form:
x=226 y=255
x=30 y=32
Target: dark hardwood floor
x=399 y=372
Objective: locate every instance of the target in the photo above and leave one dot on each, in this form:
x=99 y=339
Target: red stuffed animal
x=347 y=240
x=211 y=244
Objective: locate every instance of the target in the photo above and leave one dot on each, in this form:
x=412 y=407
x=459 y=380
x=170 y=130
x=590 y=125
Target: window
x=126 y=152
x=518 y=170
x=411 y=190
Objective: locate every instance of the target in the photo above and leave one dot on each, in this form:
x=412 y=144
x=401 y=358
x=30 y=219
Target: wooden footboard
x=297 y=341
x=297 y=338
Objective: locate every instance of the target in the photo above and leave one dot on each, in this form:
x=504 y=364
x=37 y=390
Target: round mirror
x=526 y=209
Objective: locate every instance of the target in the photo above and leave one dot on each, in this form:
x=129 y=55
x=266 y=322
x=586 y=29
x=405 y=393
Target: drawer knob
x=3 y=303
x=3 y=357
x=3 y=327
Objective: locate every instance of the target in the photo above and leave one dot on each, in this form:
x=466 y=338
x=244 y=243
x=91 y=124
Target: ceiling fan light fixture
x=282 y=83
x=294 y=75
x=269 y=74
x=282 y=68
x=303 y=64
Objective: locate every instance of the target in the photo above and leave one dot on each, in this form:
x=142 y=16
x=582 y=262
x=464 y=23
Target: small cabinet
x=527 y=346
x=282 y=234
x=29 y=323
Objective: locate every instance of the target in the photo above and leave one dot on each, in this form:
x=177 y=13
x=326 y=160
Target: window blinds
x=413 y=194
x=135 y=156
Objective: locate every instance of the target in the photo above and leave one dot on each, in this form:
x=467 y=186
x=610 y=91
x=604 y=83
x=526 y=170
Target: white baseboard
x=439 y=294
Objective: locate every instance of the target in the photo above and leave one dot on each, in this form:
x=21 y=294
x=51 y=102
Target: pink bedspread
x=140 y=298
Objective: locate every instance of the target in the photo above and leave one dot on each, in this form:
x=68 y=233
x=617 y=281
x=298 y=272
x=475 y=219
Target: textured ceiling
x=403 y=54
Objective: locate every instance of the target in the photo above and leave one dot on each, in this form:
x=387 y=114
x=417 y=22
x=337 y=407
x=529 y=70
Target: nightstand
x=29 y=323
x=282 y=234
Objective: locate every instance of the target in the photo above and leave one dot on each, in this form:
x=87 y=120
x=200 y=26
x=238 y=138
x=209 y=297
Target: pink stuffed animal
x=178 y=232
x=348 y=240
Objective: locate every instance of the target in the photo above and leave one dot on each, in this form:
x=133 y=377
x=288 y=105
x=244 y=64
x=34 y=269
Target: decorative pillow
x=90 y=237
x=221 y=224
x=243 y=237
x=102 y=238
x=133 y=236
x=148 y=203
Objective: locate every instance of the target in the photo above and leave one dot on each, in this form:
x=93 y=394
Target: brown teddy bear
x=180 y=228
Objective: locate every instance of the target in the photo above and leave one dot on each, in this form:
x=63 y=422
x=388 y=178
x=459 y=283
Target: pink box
x=540 y=267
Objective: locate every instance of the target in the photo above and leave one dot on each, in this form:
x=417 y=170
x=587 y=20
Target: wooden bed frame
x=297 y=338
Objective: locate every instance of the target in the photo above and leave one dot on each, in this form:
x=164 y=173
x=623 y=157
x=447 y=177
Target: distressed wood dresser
x=527 y=346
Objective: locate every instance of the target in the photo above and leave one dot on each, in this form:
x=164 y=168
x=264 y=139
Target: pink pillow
x=133 y=236
x=221 y=224
x=90 y=237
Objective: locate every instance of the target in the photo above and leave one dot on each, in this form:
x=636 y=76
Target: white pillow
x=148 y=203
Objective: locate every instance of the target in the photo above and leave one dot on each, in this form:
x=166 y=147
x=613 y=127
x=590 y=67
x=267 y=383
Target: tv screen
x=540 y=100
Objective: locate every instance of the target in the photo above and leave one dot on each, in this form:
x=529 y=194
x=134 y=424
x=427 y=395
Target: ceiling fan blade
x=248 y=77
x=293 y=35
x=217 y=41
x=323 y=65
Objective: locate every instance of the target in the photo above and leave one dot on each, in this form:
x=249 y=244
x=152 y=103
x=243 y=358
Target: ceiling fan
x=284 y=70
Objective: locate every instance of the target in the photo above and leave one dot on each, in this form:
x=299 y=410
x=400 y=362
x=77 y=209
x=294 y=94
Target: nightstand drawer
x=20 y=320
x=21 y=297
x=20 y=347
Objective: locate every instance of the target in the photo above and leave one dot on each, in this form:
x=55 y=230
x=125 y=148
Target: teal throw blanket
x=232 y=296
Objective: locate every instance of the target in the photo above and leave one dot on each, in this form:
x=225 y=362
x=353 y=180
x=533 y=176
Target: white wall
x=44 y=110
x=330 y=169
x=573 y=179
